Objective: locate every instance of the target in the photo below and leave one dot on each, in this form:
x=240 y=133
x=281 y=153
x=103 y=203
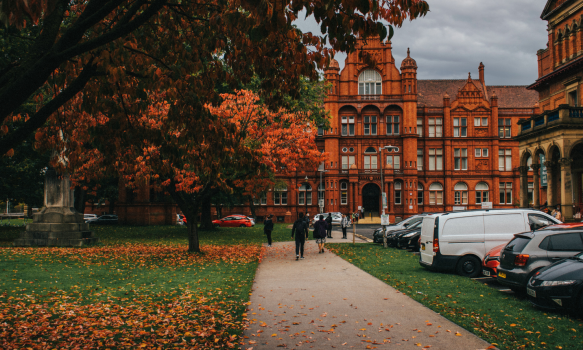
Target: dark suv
x=528 y=252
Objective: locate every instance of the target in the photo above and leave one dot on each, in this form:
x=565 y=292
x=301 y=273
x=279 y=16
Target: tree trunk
x=252 y=207
x=206 y=221
x=79 y=194
x=193 y=243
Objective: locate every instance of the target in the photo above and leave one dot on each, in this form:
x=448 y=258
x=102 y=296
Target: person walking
x=329 y=229
x=320 y=228
x=344 y=225
x=267 y=228
x=300 y=230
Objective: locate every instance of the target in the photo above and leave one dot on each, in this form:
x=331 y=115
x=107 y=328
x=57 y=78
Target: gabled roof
x=431 y=92
x=552 y=6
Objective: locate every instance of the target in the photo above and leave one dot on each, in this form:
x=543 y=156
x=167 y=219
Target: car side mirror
x=533 y=226
x=405 y=225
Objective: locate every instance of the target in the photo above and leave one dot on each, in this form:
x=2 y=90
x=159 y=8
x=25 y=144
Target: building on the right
x=551 y=141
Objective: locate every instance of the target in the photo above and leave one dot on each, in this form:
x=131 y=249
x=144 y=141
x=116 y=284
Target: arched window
x=436 y=194
x=398 y=186
x=370 y=83
x=460 y=193
x=482 y=193
x=280 y=195
x=419 y=193
x=343 y=193
x=305 y=194
x=370 y=161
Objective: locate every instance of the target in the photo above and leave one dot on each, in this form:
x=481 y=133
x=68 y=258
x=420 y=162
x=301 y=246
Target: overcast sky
x=456 y=35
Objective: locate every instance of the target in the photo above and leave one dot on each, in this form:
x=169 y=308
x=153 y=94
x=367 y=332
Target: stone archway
x=371 y=198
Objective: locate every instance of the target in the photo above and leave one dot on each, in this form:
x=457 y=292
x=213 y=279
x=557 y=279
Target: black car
x=528 y=252
x=559 y=286
x=105 y=220
x=393 y=237
x=409 y=239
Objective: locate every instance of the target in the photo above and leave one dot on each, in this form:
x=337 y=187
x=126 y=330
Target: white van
x=458 y=241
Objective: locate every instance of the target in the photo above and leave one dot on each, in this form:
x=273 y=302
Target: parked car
x=528 y=252
x=180 y=219
x=233 y=221
x=409 y=239
x=458 y=241
x=89 y=217
x=105 y=220
x=392 y=235
x=559 y=285
x=336 y=218
x=403 y=225
x=248 y=217
x=492 y=261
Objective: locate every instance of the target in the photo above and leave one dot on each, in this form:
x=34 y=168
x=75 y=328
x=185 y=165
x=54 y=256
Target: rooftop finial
x=469 y=76
x=408 y=52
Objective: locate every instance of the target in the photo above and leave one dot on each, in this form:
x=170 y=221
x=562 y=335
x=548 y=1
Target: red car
x=492 y=260
x=233 y=221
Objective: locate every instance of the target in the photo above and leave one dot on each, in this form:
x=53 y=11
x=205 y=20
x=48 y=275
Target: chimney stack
x=481 y=68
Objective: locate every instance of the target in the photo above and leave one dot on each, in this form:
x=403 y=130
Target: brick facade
x=469 y=112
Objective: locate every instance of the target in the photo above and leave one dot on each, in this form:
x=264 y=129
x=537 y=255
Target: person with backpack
x=300 y=229
x=320 y=228
x=329 y=222
x=267 y=228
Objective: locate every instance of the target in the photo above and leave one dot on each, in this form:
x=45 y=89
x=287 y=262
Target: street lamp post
x=306 y=183
x=321 y=170
x=383 y=193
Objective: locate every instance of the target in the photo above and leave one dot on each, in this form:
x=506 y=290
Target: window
x=393 y=125
x=262 y=200
x=280 y=196
x=370 y=162
x=435 y=159
x=572 y=95
x=480 y=121
x=343 y=193
x=570 y=242
x=420 y=127
x=504 y=131
x=347 y=162
x=321 y=192
x=419 y=193
x=305 y=195
x=320 y=131
x=460 y=156
x=530 y=192
x=505 y=192
x=398 y=192
x=460 y=127
x=436 y=194
x=435 y=127
x=370 y=83
x=505 y=160
x=419 y=158
x=347 y=126
x=370 y=125
x=482 y=193
x=481 y=152
x=460 y=193
x=394 y=162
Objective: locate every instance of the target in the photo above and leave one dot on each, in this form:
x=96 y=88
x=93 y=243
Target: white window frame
x=436 y=194
x=370 y=82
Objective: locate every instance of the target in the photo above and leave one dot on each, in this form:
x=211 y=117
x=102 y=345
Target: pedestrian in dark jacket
x=267 y=228
x=300 y=230
x=329 y=222
x=320 y=228
x=344 y=225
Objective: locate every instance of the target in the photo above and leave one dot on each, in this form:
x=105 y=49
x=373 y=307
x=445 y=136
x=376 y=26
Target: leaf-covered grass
x=138 y=287
x=504 y=320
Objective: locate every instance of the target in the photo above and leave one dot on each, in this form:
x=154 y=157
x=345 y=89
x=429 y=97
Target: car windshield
x=415 y=225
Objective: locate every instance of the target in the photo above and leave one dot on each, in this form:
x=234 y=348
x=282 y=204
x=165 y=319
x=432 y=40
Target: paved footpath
x=324 y=302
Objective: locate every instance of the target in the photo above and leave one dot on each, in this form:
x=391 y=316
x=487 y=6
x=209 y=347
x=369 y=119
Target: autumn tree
x=92 y=45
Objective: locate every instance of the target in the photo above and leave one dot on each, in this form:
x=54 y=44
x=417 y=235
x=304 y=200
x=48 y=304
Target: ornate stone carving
x=523 y=170
x=482 y=165
x=535 y=168
x=565 y=162
x=548 y=164
x=480 y=132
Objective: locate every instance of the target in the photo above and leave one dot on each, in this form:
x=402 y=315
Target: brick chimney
x=481 y=68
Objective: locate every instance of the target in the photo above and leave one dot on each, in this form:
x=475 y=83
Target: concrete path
x=324 y=302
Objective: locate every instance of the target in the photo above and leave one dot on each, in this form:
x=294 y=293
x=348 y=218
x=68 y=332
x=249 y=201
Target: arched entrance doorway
x=371 y=198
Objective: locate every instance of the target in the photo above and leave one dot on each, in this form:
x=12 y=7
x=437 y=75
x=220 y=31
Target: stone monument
x=57 y=223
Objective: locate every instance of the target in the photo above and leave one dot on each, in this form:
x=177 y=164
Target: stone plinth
x=57 y=223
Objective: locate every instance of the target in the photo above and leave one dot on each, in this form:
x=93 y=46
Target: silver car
x=336 y=218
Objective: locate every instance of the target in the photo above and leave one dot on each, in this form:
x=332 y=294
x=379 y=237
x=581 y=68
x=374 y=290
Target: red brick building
x=454 y=139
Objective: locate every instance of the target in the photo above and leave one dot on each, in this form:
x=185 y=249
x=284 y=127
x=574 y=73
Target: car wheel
x=469 y=266
x=217 y=225
x=242 y=226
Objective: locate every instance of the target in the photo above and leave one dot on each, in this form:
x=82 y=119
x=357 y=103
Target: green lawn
x=138 y=287
x=507 y=321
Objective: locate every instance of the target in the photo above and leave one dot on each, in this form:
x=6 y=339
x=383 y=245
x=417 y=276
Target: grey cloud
x=456 y=35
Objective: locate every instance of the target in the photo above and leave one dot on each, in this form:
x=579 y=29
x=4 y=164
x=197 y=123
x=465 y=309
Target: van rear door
x=426 y=249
